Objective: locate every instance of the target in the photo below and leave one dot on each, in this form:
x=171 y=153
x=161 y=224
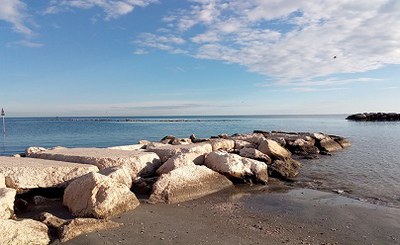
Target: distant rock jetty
x=378 y=116
x=96 y=184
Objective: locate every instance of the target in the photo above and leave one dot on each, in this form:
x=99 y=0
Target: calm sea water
x=370 y=169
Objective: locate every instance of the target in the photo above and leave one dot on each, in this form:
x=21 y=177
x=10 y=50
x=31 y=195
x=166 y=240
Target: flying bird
x=335 y=57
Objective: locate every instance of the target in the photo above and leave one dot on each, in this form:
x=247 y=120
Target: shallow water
x=369 y=169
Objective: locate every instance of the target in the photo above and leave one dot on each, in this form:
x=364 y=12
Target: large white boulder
x=141 y=163
x=236 y=166
x=98 y=196
x=7 y=198
x=25 y=231
x=166 y=151
x=274 y=150
x=255 y=138
x=2 y=181
x=180 y=160
x=255 y=154
x=187 y=183
x=120 y=174
x=29 y=173
x=224 y=144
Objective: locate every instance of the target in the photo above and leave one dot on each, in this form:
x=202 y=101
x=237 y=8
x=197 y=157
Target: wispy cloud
x=15 y=13
x=287 y=40
x=112 y=8
x=26 y=43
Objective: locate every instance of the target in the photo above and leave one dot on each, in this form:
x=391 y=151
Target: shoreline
x=269 y=215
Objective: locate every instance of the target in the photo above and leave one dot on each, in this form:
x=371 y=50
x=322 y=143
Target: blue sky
x=198 y=57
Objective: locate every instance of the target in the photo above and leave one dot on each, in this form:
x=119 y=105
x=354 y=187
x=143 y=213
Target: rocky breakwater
x=377 y=116
x=97 y=184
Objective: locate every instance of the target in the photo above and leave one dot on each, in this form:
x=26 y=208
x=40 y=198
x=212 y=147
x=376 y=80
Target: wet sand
x=273 y=214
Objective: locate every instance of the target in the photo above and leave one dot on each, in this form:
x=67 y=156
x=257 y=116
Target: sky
x=198 y=57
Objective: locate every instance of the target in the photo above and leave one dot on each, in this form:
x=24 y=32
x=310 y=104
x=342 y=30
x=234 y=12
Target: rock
x=238 y=167
x=144 y=142
x=194 y=139
x=303 y=147
x=287 y=168
x=252 y=138
x=379 y=116
x=168 y=139
x=181 y=141
x=141 y=163
x=28 y=173
x=120 y=174
x=26 y=231
x=180 y=160
x=34 y=149
x=143 y=186
x=273 y=149
x=187 y=183
x=224 y=144
x=2 y=181
x=239 y=144
x=329 y=145
x=167 y=151
x=344 y=143
x=39 y=200
x=128 y=147
x=69 y=229
x=7 y=198
x=255 y=154
x=98 y=196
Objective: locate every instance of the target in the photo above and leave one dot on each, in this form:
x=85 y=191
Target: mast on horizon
x=3 y=114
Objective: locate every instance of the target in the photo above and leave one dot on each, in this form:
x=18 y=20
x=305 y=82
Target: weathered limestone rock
x=303 y=147
x=254 y=138
x=239 y=144
x=99 y=196
x=187 y=183
x=273 y=149
x=224 y=144
x=237 y=167
x=141 y=163
x=180 y=160
x=128 y=147
x=120 y=174
x=2 y=181
x=167 y=151
x=287 y=168
x=344 y=143
x=7 y=198
x=181 y=141
x=69 y=229
x=29 y=173
x=25 y=231
x=329 y=145
x=255 y=154
x=34 y=149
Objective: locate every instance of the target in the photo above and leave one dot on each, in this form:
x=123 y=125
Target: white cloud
x=290 y=40
x=112 y=8
x=15 y=12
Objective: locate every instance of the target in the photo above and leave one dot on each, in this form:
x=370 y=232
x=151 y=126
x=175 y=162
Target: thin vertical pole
x=4 y=129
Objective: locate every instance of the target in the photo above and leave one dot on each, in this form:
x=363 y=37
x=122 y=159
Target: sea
x=369 y=170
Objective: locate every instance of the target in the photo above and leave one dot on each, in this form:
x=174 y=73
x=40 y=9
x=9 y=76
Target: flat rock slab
x=29 y=173
x=166 y=151
x=141 y=163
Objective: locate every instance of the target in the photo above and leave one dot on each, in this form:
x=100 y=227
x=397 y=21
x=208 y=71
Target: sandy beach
x=273 y=214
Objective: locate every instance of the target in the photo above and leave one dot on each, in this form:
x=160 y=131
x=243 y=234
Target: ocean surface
x=369 y=170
